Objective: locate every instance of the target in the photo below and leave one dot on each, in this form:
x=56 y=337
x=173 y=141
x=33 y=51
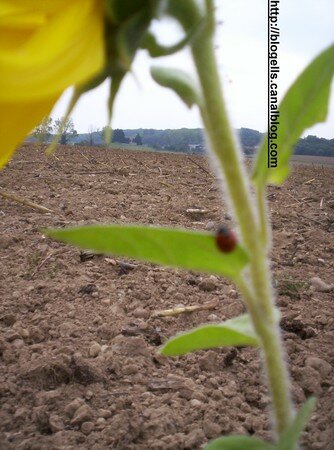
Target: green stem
x=228 y=157
x=261 y=206
x=273 y=356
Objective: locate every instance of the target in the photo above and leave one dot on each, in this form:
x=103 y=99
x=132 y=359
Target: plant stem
x=228 y=156
x=261 y=206
x=273 y=356
x=24 y=201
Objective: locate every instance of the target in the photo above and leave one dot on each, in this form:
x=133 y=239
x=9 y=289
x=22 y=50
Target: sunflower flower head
x=47 y=46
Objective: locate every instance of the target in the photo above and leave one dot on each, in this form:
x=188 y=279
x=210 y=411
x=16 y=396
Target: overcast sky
x=306 y=29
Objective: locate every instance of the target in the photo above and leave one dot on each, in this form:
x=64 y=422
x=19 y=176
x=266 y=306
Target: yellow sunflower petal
x=66 y=49
x=45 y=47
x=17 y=120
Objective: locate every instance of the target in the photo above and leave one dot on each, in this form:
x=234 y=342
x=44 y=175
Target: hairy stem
x=261 y=205
x=273 y=356
x=228 y=156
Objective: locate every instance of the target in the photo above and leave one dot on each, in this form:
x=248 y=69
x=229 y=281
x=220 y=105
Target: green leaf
x=233 y=332
x=118 y=11
x=188 y=13
x=115 y=84
x=305 y=104
x=238 y=443
x=172 y=247
x=156 y=50
x=289 y=439
x=180 y=82
x=130 y=36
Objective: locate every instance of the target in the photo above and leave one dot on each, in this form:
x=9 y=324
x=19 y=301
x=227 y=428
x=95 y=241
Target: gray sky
x=306 y=29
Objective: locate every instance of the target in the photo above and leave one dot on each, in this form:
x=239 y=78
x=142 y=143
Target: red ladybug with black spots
x=226 y=239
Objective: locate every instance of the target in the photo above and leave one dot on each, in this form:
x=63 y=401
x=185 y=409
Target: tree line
x=64 y=128
x=176 y=140
x=49 y=128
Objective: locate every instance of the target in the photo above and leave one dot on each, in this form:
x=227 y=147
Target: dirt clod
x=208 y=285
x=73 y=406
x=94 y=349
x=319 y=285
x=82 y=414
x=87 y=427
x=320 y=365
x=309 y=379
x=56 y=423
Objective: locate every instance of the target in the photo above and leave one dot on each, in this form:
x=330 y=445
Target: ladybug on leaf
x=226 y=239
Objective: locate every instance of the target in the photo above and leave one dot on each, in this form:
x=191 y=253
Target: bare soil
x=79 y=364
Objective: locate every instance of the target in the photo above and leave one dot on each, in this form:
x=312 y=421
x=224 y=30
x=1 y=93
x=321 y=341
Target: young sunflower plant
x=52 y=45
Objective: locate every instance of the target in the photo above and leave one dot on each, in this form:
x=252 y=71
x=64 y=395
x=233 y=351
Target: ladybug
x=226 y=239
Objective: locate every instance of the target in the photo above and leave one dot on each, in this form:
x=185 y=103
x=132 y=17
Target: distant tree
x=176 y=140
x=119 y=136
x=44 y=130
x=249 y=137
x=105 y=132
x=138 y=140
x=91 y=132
x=312 y=145
x=65 y=127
